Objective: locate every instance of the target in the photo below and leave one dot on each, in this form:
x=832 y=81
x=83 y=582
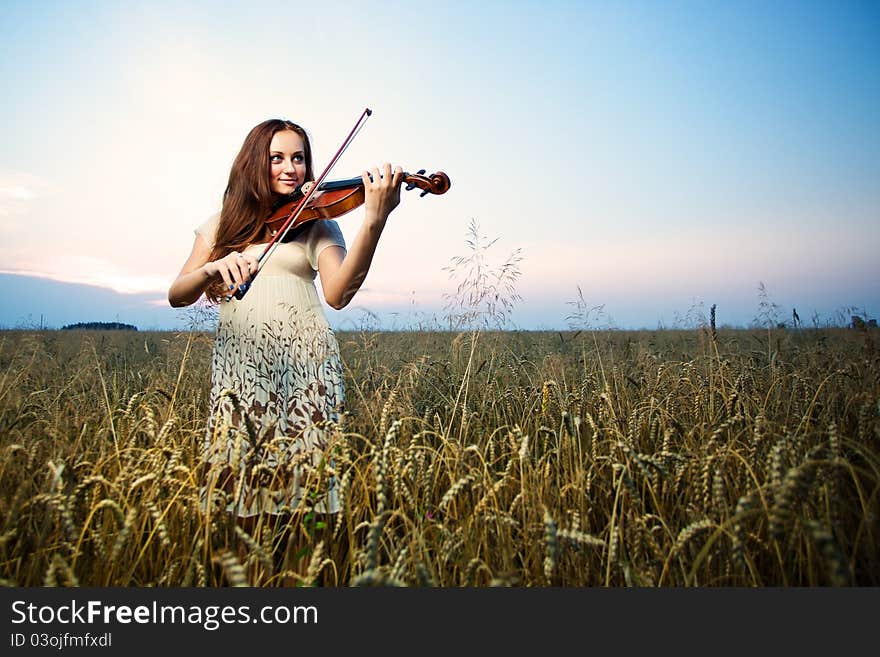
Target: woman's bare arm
x=343 y=274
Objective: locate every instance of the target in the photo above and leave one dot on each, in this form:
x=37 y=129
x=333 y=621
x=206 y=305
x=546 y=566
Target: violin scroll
x=436 y=183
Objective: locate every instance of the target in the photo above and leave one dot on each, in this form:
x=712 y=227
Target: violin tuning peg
x=420 y=172
x=424 y=192
x=410 y=186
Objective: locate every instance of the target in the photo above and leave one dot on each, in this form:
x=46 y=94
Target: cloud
x=97 y=272
x=17 y=191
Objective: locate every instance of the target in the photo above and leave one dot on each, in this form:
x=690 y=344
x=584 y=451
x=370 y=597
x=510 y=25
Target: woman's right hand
x=235 y=269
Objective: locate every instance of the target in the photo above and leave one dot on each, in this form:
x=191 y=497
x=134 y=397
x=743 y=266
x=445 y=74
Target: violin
x=335 y=198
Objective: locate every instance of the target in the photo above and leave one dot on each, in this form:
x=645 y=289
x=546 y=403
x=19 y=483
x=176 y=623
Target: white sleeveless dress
x=276 y=387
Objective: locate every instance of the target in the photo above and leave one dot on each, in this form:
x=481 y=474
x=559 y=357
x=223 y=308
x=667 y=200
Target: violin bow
x=297 y=210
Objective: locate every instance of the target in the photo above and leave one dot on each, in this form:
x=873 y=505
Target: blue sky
x=659 y=157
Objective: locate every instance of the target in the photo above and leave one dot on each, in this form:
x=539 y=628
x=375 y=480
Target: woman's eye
x=275 y=158
x=298 y=158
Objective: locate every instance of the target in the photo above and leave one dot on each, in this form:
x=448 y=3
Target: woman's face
x=288 y=159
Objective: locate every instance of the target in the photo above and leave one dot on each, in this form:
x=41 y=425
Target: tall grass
x=673 y=458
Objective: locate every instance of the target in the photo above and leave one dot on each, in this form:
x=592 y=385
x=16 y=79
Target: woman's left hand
x=382 y=193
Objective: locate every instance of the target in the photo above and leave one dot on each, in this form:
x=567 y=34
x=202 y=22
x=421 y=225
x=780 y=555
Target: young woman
x=276 y=375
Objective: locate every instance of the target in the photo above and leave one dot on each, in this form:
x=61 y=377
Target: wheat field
x=669 y=458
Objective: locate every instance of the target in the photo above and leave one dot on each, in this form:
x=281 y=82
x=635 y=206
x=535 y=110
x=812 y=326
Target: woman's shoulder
x=321 y=229
x=321 y=234
x=208 y=228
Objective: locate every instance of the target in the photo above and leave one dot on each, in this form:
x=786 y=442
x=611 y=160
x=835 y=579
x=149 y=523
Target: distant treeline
x=103 y=326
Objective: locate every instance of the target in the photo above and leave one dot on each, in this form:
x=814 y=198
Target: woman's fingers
x=223 y=270
x=383 y=177
x=253 y=264
x=383 y=192
x=241 y=266
x=236 y=269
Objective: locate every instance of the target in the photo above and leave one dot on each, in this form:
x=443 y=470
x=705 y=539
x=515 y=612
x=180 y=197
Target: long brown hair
x=248 y=198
